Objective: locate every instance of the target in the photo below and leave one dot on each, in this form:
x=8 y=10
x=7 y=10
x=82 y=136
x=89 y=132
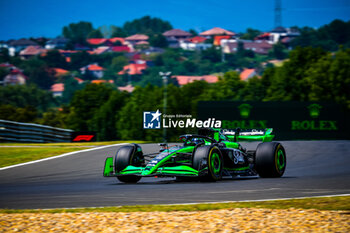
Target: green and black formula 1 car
x=208 y=155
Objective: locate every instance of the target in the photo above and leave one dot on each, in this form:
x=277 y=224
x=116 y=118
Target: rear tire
x=212 y=155
x=125 y=156
x=270 y=159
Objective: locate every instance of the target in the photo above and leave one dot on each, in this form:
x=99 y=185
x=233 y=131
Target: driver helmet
x=196 y=141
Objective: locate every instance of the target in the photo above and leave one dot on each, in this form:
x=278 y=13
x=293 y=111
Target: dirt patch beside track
x=237 y=220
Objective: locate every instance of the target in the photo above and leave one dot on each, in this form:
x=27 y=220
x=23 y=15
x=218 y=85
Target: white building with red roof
x=57 y=89
x=258 y=46
x=195 y=43
x=93 y=69
x=15 y=77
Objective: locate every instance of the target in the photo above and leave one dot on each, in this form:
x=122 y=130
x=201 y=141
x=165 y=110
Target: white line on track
x=219 y=202
x=60 y=156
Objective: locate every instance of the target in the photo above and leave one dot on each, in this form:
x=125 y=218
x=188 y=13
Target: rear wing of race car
x=249 y=135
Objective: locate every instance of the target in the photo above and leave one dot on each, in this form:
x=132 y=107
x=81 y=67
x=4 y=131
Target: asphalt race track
x=314 y=168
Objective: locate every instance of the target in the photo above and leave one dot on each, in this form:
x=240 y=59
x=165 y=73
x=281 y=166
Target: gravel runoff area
x=225 y=220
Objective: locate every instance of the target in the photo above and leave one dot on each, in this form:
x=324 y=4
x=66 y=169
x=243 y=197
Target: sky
x=35 y=18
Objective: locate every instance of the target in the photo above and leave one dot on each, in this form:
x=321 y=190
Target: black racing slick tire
x=125 y=156
x=129 y=179
x=270 y=159
x=209 y=157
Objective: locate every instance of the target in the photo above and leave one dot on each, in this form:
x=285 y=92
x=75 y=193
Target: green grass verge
x=320 y=203
x=24 y=152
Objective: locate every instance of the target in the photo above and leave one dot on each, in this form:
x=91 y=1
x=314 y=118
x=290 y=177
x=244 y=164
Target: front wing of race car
x=182 y=170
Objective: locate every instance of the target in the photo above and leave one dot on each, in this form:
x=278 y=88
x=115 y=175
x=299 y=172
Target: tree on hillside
x=146 y=25
x=54 y=58
x=3 y=73
x=328 y=37
x=129 y=119
x=288 y=82
x=118 y=32
x=27 y=114
x=118 y=63
x=250 y=34
x=212 y=54
x=85 y=103
x=193 y=32
x=79 y=60
x=104 y=120
x=26 y=95
x=96 y=33
x=4 y=55
x=278 y=51
x=38 y=73
x=329 y=78
x=158 y=40
x=77 y=32
x=70 y=87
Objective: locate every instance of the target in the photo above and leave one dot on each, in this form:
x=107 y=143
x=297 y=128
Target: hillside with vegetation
x=315 y=67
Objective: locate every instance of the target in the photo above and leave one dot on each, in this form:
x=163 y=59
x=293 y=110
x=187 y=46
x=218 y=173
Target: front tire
x=125 y=156
x=270 y=159
x=130 y=179
x=212 y=156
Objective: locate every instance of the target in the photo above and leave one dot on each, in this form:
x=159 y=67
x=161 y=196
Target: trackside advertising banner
x=289 y=120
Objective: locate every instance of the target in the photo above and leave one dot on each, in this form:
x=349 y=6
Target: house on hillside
x=136 y=38
x=259 y=47
x=117 y=40
x=18 y=45
x=15 y=77
x=101 y=50
x=67 y=54
x=8 y=66
x=285 y=35
x=106 y=42
x=57 y=89
x=183 y=80
x=93 y=69
x=128 y=88
x=133 y=69
x=58 y=72
x=98 y=42
x=31 y=51
x=178 y=34
x=121 y=49
x=247 y=74
x=216 y=31
x=153 y=50
x=56 y=43
x=79 y=80
x=99 y=81
x=174 y=36
x=218 y=39
x=195 y=43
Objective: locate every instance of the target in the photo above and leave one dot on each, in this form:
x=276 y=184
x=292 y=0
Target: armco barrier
x=11 y=131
